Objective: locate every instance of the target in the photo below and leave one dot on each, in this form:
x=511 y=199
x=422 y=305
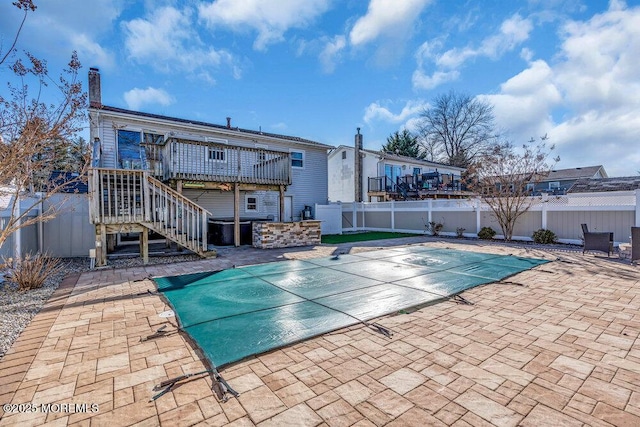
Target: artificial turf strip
x=333 y=239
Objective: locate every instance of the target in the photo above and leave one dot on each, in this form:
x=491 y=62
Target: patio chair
x=635 y=247
x=601 y=241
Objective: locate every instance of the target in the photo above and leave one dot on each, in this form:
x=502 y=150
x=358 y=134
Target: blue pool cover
x=236 y=313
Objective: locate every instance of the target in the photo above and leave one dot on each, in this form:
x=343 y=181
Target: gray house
x=560 y=181
x=176 y=177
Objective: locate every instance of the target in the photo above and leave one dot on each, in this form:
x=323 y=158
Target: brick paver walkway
x=556 y=345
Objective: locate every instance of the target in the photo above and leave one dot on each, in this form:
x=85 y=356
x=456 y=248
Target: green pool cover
x=235 y=313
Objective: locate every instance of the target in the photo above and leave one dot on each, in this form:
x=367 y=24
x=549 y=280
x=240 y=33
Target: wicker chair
x=601 y=241
x=635 y=243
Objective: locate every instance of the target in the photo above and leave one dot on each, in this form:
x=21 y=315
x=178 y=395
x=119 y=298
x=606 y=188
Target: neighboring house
x=172 y=176
x=388 y=176
x=559 y=181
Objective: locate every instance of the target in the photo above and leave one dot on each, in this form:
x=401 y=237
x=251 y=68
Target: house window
x=554 y=185
x=262 y=156
x=251 y=204
x=152 y=138
x=531 y=187
x=129 y=149
x=416 y=171
x=344 y=155
x=216 y=155
x=297 y=159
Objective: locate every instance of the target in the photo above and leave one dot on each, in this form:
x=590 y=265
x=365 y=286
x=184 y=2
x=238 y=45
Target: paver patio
x=556 y=345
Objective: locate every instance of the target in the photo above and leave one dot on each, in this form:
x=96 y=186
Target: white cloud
x=57 y=28
x=378 y=111
x=136 y=98
x=525 y=101
x=386 y=17
x=167 y=42
x=513 y=32
x=331 y=53
x=421 y=80
x=587 y=100
x=271 y=20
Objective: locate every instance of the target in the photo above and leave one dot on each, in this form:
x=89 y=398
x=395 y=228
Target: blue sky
x=318 y=69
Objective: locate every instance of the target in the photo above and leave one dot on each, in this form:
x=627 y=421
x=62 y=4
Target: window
x=129 y=149
x=152 y=138
x=531 y=187
x=554 y=185
x=416 y=171
x=297 y=159
x=216 y=155
x=251 y=204
x=262 y=156
x=344 y=155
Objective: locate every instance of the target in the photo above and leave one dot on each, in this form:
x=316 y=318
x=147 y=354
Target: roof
x=574 y=173
x=212 y=125
x=399 y=158
x=593 y=185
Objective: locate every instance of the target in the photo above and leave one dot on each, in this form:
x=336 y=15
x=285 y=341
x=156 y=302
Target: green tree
x=403 y=143
x=457 y=129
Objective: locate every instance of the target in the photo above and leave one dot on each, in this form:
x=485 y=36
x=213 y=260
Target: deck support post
x=282 y=203
x=236 y=215
x=144 y=245
x=101 y=245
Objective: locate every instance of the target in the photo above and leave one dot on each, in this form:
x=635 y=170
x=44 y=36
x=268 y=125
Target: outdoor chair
x=635 y=243
x=601 y=241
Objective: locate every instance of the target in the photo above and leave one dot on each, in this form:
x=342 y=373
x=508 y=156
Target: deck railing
x=121 y=196
x=205 y=161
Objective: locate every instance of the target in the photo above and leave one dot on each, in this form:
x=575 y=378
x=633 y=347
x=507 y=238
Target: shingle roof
x=593 y=185
x=214 y=126
x=574 y=173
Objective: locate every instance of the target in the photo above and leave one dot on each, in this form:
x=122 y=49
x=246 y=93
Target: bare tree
x=33 y=133
x=503 y=178
x=457 y=129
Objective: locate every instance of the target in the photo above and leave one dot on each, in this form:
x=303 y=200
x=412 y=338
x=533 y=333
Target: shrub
x=460 y=232
x=434 y=228
x=486 y=233
x=544 y=236
x=33 y=270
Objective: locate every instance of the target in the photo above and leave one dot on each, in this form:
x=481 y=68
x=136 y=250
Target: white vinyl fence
x=614 y=212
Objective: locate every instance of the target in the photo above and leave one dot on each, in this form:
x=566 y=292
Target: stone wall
x=268 y=235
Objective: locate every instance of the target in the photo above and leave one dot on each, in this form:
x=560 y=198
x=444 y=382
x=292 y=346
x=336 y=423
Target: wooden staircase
x=123 y=200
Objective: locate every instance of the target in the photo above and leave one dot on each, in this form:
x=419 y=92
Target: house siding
x=309 y=184
x=220 y=203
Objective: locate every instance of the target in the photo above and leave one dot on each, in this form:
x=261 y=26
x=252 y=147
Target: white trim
x=246 y=202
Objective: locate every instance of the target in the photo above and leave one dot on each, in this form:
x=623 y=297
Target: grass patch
x=333 y=239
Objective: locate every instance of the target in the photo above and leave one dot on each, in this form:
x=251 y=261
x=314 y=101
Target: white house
x=385 y=175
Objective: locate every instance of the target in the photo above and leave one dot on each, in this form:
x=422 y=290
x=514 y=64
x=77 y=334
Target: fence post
x=477 y=204
x=429 y=209
x=637 y=207
x=393 y=215
x=354 y=217
x=545 y=203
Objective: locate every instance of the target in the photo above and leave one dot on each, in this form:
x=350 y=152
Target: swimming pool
x=235 y=313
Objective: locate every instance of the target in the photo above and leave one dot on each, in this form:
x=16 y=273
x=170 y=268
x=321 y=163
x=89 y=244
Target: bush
x=486 y=233
x=434 y=228
x=460 y=232
x=33 y=271
x=544 y=236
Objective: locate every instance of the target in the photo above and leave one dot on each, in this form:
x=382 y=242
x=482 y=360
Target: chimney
x=95 y=94
x=358 y=168
x=228 y=122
